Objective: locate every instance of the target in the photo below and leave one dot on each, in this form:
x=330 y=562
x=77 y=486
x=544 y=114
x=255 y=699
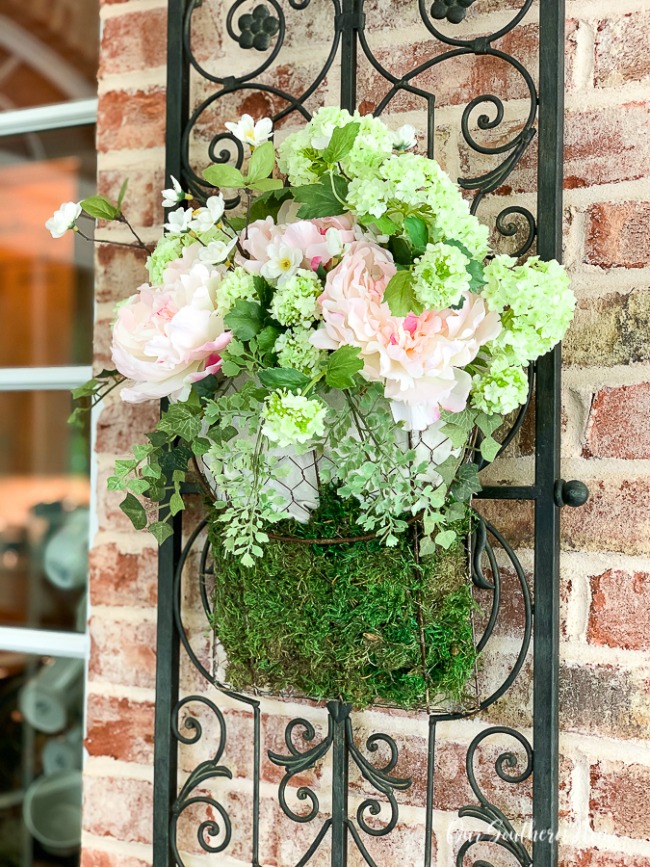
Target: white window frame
x=24 y=639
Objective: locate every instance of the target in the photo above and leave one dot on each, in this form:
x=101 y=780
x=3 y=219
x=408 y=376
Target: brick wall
x=605 y=567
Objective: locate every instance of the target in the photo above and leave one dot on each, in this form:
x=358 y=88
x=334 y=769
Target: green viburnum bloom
x=299 y=155
x=294 y=349
x=168 y=249
x=294 y=302
x=440 y=276
x=292 y=419
x=500 y=389
x=535 y=303
x=236 y=285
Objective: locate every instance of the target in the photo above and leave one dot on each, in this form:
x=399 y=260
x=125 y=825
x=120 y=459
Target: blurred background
x=48 y=71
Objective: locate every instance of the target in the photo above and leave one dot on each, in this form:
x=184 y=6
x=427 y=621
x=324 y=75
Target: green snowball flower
x=440 y=276
x=535 y=303
x=500 y=389
x=235 y=285
x=294 y=349
x=292 y=419
x=294 y=303
x=168 y=249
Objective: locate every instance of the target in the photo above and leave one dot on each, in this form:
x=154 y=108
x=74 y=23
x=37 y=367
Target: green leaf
x=261 y=162
x=341 y=142
x=427 y=546
x=263 y=290
x=466 y=483
x=268 y=204
x=400 y=297
x=237 y=223
x=100 y=208
x=230 y=368
x=490 y=448
x=383 y=225
x=200 y=446
x=342 y=366
x=176 y=503
x=267 y=337
x=487 y=424
x=180 y=421
x=134 y=511
x=457 y=436
x=142 y=450
x=320 y=200
x=447 y=469
x=476 y=272
x=85 y=390
x=402 y=251
x=452 y=242
x=446 y=539
x=417 y=233
x=223 y=175
x=464 y=419
x=161 y=530
x=266 y=184
x=283 y=377
x=245 y=319
x=122 y=193
x=138 y=486
x=116 y=483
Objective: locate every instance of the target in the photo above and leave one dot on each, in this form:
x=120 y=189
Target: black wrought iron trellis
x=260 y=27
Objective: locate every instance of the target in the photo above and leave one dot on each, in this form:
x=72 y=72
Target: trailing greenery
x=346 y=621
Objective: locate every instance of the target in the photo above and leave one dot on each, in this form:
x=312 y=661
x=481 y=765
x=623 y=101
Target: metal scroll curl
x=502 y=833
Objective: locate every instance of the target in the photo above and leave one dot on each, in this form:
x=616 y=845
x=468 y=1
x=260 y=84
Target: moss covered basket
x=354 y=621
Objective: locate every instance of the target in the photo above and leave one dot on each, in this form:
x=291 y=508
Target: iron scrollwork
x=260 y=29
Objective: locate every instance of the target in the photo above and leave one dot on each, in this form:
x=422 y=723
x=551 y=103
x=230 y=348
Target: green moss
x=346 y=621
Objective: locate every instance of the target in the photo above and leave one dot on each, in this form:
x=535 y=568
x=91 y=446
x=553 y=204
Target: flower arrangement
x=345 y=339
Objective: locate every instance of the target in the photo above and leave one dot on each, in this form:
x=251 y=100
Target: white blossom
x=205 y=218
x=283 y=263
x=217 y=251
x=405 y=138
x=252 y=133
x=179 y=221
x=63 y=219
x=175 y=195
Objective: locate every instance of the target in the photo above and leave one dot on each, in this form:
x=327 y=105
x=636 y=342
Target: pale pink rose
x=255 y=241
x=166 y=338
x=419 y=359
x=183 y=265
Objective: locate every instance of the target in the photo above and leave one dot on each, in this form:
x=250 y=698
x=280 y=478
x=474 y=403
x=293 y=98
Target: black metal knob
x=573 y=493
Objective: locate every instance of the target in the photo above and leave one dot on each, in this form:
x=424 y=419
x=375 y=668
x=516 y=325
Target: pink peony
x=418 y=358
x=166 y=338
x=317 y=240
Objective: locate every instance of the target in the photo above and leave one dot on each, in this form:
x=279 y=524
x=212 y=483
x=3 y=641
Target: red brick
x=618 y=235
x=619 y=615
x=131 y=119
x=120 y=578
x=620 y=799
x=119 y=272
x=122 y=652
x=615 y=518
x=142 y=203
x=121 y=425
x=621 y=50
x=514 y=519
x=95 y=858
x=618 y=423
x=597 y=858
x=607 y=145
x=605 y=701
x=118 y=808
x=134 y=41
x=120 y=728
